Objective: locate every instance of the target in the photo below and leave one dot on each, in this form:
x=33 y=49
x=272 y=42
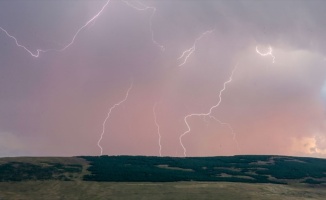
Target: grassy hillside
x=246 y=169
x=52 y=168
x=139 y=177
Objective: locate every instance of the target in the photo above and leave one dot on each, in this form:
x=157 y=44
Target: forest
x=244 y=168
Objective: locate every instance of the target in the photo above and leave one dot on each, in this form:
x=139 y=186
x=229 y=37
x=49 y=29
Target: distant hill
x=244 y=168
x=247 y=169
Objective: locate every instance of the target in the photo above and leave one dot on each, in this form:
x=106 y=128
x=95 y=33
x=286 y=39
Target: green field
x=140 y=177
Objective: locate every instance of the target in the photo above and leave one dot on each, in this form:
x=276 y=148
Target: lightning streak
x=143 y=7
x=109 y=114
x=223 y=124
x=229 y=127
x=209 y=113
x=38 y=51
x=186 y=54
x=85 y=25
x=158 y=129
x=269 y=53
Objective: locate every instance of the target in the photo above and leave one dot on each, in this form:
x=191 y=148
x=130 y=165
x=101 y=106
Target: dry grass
x=175 y=168
x=229 y=175
x=178 y=190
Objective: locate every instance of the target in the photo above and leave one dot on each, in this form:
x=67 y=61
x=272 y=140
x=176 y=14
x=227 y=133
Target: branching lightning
x=109 y=114
x=186 y=54
x=38 y=51
x=142 y=7
x=269 y=53
x=158 y=129
x=182 y=59
x=209 y=114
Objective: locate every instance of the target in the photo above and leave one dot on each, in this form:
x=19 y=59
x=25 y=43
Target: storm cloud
x=56 y=104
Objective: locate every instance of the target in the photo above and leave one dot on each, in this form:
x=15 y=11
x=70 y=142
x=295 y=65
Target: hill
x=234 y=177
x=246 y=169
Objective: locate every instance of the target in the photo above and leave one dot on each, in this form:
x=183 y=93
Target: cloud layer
x=56 y=104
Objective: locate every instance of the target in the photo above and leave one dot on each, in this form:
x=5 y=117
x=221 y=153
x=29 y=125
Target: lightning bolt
x=223 y=124
x=158 y=129
x=269 y=53
x=109 y=114
x=39 y=51
x=229 y=127
x=143 y=7
x=209 y=113
x=187 y=53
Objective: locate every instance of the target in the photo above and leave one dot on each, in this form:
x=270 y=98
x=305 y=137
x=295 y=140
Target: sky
x=260 y=66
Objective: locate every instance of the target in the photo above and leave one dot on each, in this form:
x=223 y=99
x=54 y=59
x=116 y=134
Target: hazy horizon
x=69 y=66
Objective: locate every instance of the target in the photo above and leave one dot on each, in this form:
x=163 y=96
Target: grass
x=155 y=191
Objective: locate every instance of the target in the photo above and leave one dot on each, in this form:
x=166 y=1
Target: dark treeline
x=250 y=169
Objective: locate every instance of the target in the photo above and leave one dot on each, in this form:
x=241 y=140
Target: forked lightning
x=38 y=51
x=208 y=114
